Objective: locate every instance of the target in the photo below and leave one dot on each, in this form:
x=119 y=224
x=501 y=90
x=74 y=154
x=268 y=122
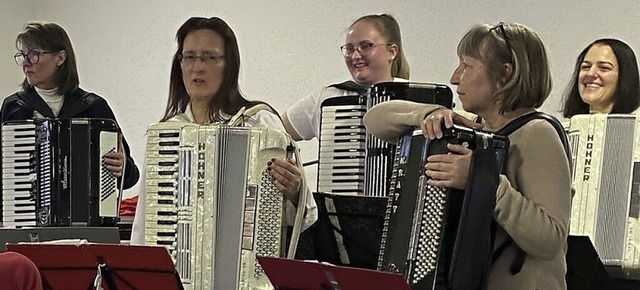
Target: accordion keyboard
x=18 y=175
x=342 y=149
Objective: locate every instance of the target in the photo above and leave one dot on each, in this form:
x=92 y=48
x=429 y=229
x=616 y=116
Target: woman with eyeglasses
x=373 y=54
x=605 y=80
x=503 y=74
x=51 y=89
x=204 y=89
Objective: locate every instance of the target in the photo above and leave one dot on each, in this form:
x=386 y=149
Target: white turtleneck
x=52 y=99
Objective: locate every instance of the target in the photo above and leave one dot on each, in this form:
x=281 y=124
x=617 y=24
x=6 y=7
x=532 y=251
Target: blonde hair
x=388 y=26
x=530 y=82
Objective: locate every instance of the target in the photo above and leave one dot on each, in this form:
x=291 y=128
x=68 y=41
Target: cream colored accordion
x=210 y=200
x=606 y=176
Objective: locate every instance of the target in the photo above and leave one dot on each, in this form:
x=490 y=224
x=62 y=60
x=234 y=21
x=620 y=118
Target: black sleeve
x=101 y=109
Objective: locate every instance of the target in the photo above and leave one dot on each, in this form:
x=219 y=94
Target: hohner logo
x=201 y=154
x=587 y=158
x=65 y=173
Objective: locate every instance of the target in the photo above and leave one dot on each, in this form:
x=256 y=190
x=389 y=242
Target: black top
x=77 y=104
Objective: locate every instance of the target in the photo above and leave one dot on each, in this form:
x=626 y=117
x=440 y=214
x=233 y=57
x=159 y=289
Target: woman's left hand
x=115 y=162
x=286 y=177
x=450 y=170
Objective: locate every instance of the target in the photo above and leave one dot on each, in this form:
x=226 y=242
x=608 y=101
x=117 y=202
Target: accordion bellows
x=210 y=200
x=606 y=177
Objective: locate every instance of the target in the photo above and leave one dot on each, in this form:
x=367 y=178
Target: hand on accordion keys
x=449 y=170
x=287 y=177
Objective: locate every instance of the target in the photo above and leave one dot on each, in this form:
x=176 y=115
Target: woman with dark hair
x=51 y=89
x=204 y=89
x=605 y=80
x=373 y=53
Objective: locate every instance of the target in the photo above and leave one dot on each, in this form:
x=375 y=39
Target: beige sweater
x=533 y=200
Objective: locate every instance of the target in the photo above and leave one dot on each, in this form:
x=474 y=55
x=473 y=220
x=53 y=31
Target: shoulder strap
x=522 y=120
x=245 y=113
x=85 y=101
x=350 y=86
x=521 y=255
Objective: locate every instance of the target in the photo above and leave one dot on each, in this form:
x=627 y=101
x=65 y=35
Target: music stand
x=125 y=267
x=286 y=274
x=585 y=270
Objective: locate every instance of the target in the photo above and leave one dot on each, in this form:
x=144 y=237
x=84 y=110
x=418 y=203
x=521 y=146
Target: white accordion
x=606 y=173
x=210 y=200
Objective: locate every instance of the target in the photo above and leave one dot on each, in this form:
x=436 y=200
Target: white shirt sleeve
x=305 y=115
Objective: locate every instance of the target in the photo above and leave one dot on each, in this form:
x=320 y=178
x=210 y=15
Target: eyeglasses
x=33 y=56
x=206 y=58
x=505 y=36
x=363 y=48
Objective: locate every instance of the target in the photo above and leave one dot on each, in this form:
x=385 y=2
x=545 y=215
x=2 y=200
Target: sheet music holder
x=286 y=274
x=41 y=234
x=64 y=266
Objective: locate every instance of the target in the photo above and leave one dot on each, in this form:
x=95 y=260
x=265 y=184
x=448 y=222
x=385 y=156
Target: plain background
x=290 y=49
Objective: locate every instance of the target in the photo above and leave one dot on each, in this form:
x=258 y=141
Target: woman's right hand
x=432 y=124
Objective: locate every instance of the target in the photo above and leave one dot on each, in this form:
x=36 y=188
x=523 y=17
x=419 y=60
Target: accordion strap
x=470 y=264
x=521 y=255
x=245 y=113
x=350 y=86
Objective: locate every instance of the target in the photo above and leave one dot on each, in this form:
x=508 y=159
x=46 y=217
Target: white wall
x=290 y=48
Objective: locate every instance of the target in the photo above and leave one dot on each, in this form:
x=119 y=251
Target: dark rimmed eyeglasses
x=206 y=58
x=502 y=31
x=33 y=56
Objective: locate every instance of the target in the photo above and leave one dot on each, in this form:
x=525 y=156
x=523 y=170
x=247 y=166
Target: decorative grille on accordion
x=606 y=180
x=53 y=173
x=210 y=200
x=426 y=227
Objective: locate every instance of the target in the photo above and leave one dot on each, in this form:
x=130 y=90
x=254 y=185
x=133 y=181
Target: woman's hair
x=529 y=84
x=228 y=98
x=388 y=26
x=51 y=37
x=626 y=97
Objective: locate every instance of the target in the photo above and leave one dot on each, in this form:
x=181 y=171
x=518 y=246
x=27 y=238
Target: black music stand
x=585 y=270
x=358 y=220
x=124 y=267
x=286 y=274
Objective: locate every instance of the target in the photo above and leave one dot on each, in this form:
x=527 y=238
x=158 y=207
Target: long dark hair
x=228 y=98
x=50 y=36
x=626 y=97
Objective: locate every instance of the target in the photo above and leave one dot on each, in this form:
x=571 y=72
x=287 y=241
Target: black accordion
x=442 y=238
x=352 y=161
x=53 y=173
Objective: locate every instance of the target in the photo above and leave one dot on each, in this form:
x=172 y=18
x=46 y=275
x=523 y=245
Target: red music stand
x=286 y=274
x=125 y=267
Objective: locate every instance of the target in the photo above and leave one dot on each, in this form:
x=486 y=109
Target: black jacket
x=77 y=104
